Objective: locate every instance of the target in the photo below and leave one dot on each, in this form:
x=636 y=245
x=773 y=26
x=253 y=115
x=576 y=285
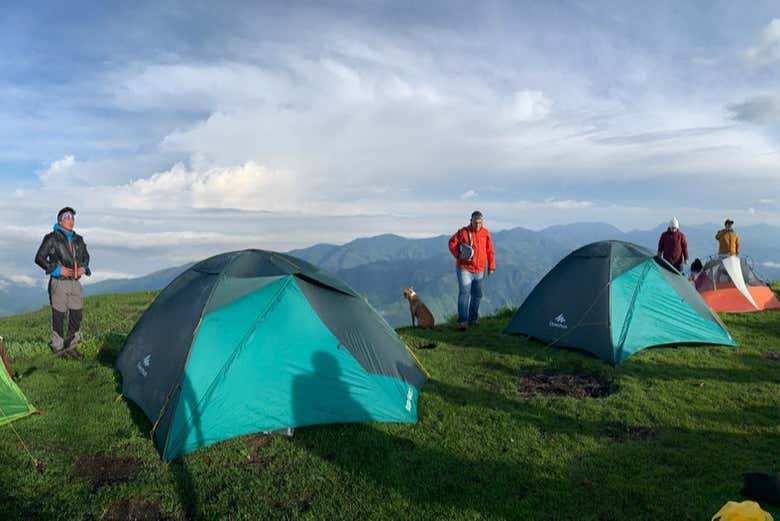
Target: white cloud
x=100 y=276
x=751 y=211
x=183 y=86
x=567 y=204
x=771 y=264
x=58 y=171
x=24 y=280
x=767 y=51
x=325 y=129
x=110 y=238
x=247 y=187
x=530 y=105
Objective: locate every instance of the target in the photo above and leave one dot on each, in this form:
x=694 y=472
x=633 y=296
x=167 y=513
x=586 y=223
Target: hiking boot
x=73 y=353
x=462 y=326
x=474 y=323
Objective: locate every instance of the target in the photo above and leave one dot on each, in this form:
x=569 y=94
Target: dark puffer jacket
x=54 y=252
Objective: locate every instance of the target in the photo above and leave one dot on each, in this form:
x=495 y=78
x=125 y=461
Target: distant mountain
x=151 y=282
x=18 y=298
x=381 y=267
x=387 y=247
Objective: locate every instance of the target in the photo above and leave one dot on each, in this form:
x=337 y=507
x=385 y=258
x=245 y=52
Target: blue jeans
x=469 y=294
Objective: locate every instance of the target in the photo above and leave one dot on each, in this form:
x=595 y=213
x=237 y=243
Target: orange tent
x=729 y=285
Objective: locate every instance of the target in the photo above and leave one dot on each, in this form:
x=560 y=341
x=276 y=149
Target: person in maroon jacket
x=472 y=248
x=673 y=246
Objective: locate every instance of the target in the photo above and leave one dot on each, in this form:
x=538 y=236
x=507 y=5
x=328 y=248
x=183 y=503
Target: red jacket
x=673 y=247
x=484 y=255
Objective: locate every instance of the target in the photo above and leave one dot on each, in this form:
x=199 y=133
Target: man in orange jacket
x=472 y=248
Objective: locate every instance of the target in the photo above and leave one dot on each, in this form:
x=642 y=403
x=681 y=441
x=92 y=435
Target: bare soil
x=104 y=469
x=573 y=385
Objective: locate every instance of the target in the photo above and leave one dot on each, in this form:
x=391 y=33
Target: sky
x=182 y=129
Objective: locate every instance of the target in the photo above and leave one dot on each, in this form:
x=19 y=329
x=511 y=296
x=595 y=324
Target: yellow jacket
x=728 y=242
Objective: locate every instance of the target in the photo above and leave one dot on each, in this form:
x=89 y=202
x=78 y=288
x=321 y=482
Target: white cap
x=674 y=223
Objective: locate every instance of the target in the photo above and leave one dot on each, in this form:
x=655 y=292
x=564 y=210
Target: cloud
x=760 y=110
x=767 y=51
x=661 y=136
x=58 y=171
x=567 y=204
x=24 y=280
x=771 y=264
x=100 y=276
x=330 y=124
x=530 y=105
x=247 y=187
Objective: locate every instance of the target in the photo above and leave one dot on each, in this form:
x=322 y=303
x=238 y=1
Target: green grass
x=480 y=450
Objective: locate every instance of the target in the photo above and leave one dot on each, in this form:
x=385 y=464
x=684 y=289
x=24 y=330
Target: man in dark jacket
x=63 y=256
x=673 y=246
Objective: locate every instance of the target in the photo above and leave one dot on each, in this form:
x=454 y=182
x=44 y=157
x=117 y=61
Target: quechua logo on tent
x=559 y=322
x=142 y=365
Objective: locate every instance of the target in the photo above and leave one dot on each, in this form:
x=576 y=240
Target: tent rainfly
x=614 y=298
x=257 y=341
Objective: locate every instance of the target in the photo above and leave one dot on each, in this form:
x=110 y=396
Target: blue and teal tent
x=614 y=298
x=257 y=341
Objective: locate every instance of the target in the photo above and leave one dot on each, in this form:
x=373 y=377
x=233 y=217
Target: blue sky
x=180 y=130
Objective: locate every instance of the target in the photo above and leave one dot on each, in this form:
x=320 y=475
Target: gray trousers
x=65 y=297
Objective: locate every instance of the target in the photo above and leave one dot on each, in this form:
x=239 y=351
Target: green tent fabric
x=258 y=341
x=13 y=404
x=613 y=299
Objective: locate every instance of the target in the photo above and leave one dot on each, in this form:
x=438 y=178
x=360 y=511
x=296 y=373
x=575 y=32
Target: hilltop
x=669 y=441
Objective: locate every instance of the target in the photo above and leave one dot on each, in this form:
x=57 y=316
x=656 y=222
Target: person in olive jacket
x=64 y=257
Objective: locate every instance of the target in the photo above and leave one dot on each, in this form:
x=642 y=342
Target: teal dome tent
x=256 y=341
x=614 y=298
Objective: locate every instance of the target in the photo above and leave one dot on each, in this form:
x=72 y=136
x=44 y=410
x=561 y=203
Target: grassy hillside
x=669 y=441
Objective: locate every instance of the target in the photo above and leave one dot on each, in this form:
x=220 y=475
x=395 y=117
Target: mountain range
x=381 y=267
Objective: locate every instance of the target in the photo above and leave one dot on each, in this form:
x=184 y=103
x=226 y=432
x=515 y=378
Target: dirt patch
x=773 y=355
x=623 y=433
x=257 y=445
x=573 y=385
x=103 y=469
x=420 y=343
x=257 y=441
x=134 y=509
